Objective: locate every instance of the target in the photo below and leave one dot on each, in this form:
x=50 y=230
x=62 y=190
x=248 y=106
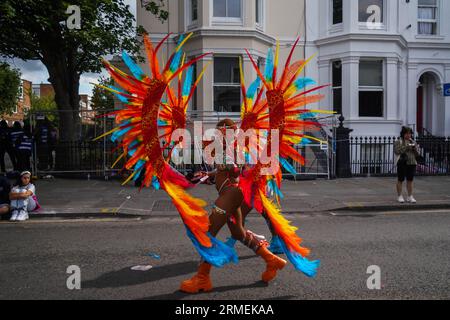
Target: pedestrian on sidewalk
x=6 y=147
x=406 y=151
x=23 y=198
x=5 y=189
x=24 y=149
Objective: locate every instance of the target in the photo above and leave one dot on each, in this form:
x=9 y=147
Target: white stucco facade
x=259 y=23
x=409 y=61
x=413 y=67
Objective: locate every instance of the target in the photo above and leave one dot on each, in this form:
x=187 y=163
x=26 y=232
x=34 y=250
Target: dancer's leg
x=202 y=281
x=275 y=245
x=248 y=238
x=227 y=209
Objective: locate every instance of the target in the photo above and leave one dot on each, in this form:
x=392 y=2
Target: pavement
x=411 y=250
x=98 y=198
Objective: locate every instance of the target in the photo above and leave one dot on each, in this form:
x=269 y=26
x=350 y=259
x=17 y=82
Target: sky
x=36 y=72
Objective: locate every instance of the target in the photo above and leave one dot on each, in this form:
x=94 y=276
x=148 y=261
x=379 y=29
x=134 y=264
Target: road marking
x=109 y=210
x=354 y=204
x=416 y=211
x=69 y=220
x=369 y=213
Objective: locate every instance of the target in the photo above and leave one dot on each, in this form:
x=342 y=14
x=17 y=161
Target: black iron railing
x=374 y=156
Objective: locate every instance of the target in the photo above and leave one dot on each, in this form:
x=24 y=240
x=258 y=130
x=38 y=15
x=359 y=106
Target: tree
x=9 y=88
x=45 y=105
x=45 y=30
x=103 y=100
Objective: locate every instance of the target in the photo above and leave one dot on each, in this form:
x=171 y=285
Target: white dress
x=27 y=204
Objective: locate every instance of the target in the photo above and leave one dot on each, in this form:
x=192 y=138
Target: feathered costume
x=138 y=129
x=146 y=115
x=286 y=113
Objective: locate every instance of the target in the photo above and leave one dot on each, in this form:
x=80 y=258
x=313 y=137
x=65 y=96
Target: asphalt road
x=411 y=249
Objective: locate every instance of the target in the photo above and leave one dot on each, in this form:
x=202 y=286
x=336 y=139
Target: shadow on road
x=127 y=277
x=178 y=295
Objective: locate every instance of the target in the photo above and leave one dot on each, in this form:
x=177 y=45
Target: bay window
x=227 y=89
x=371 y=11
x=337 y=11
x=337 y=86
x=192 y=12
x=259 y=12
x=227 y=8
x=371 y=88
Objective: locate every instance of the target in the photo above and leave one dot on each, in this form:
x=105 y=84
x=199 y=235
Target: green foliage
x=103 y=100
x=36 y=30
x=46 y=106
x=9 y=88
x=156 y=10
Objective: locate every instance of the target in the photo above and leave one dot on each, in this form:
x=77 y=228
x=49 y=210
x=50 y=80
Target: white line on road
x=70 y=221
x=368 y=213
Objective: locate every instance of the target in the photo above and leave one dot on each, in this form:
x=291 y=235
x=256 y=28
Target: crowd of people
x=22 y=145
x=18 y=143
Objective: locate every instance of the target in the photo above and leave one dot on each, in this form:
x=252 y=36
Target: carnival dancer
x=138 y=130
x=146 y=115
x=283 y=110
x=227 y=210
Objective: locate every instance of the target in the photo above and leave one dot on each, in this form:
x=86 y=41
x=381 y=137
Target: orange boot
x=274 y=263
x=200 y=282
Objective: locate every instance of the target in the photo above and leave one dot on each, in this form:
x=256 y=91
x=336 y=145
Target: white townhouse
x=226 y=28
x=386 y=61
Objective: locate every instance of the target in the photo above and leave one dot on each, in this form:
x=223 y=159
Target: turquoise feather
x=155 y=183
x=188 y=82
x=288 y=166
x=253 y=88
x=268 y=74
x=134 y=68
x=307 y=267
x=303 y=82
x=218 y=255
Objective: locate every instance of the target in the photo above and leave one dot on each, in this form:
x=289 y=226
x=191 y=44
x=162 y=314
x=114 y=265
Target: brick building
x=23 y=103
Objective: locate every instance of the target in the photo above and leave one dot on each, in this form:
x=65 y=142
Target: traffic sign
x=447 y=90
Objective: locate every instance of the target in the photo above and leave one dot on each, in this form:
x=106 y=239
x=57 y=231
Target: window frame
x=435 y=21
x=221 y=84
x=381 y=88
x=21 y=94
x=333 y=88
x=261 y=12
x=190 y=23
x=332 y=14
x=227 y=20
x=383 y=24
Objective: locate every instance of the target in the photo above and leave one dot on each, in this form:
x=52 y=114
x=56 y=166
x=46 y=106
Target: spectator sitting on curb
x=23 y=199
x=5 y=189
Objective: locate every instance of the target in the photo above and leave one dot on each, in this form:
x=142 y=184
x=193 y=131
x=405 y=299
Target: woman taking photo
x=406 y=151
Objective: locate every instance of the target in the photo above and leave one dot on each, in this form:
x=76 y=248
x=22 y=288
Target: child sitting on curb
x=23 y=199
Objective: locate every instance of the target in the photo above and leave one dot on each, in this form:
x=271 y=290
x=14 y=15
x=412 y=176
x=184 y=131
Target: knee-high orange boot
x=274 y=263
x=200 y=282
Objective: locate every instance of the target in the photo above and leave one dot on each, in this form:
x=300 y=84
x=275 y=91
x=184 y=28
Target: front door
x=420 y=109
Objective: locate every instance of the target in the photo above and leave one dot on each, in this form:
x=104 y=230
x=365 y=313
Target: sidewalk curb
x=84 y=215
x=403 y=207
x=108 y=213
